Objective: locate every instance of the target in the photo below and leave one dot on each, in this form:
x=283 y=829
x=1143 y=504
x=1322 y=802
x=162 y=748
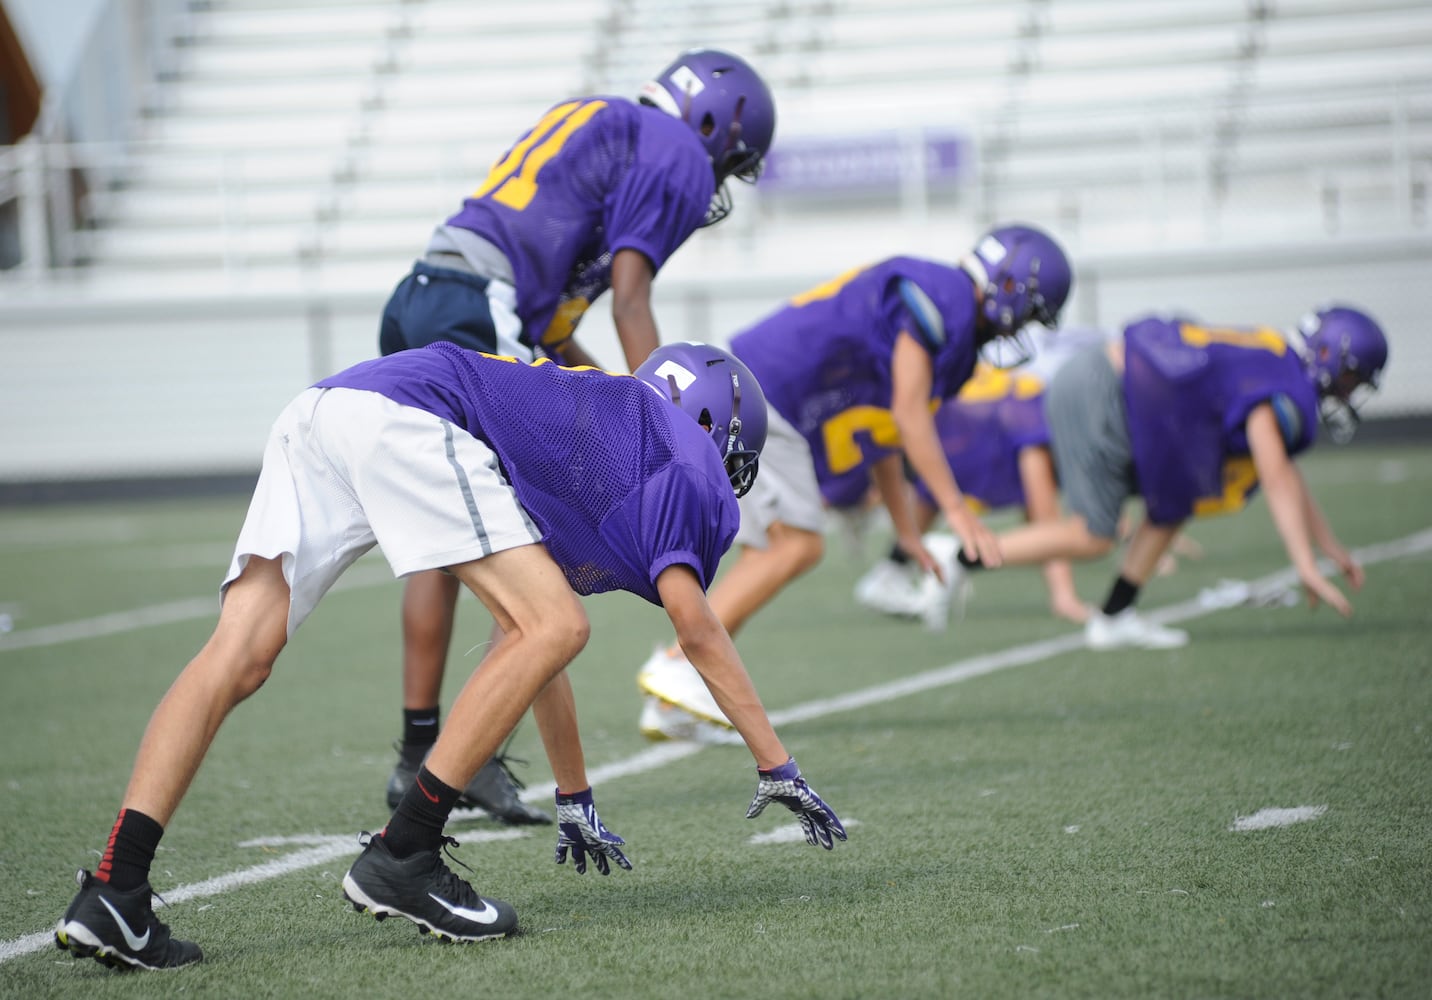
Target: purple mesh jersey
x=620 y=482
x=823 y=360
x=592 y=177
x=1189 y=390
x=996 y=416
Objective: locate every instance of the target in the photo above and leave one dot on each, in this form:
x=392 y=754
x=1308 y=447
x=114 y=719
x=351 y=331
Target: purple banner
x=866 y=162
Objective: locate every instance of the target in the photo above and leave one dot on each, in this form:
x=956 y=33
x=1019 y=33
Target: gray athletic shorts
x=1089 y=433
x=785 y=490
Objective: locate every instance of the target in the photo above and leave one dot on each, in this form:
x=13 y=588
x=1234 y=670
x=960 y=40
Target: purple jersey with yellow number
x=1189 y=390
x=996 y=416
x=824 y=359
x=592 y=177
x=621 y=483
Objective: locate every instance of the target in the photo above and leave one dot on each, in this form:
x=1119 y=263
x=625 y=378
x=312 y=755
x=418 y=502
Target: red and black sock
x=130 y=850
x=417 y=823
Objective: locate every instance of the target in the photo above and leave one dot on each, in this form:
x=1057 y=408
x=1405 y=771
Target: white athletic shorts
x=785 y=490
x=345 y=469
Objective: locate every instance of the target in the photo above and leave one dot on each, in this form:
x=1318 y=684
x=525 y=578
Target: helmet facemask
x=1008 y=266
x=741 y=463
x=1344 y=350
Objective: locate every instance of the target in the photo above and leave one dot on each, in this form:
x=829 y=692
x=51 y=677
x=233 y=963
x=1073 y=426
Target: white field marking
x=168 y=613
x=790 y=833
x=667 y=753
x=319 y=849
x=1266 y=819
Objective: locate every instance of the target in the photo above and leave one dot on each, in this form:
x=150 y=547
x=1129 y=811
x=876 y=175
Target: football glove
x=785 y=785
x=580 y=831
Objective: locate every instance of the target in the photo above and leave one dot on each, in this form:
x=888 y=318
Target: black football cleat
x=423 y=889
x=493 y=790
x=119 y=929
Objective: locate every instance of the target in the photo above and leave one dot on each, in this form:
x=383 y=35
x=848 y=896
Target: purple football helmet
x=721 y=394
x=1344 y=351
x=730 y=108
x=1022 y=275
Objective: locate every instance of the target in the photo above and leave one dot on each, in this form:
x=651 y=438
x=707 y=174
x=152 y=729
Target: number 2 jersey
x=824 y=359
x=1189 y=390
x=592 y=177
x=621 y=483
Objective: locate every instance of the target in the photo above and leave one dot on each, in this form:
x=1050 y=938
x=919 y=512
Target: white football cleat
x=936 y=599
x=660 y=722
x=675 y=681
x=1129 y=630
x=891 y=589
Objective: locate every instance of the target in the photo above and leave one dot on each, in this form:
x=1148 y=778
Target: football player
x=595 y=197
x=476 y=464
x=997 y=443
x=850 y=369
x=1195 y=418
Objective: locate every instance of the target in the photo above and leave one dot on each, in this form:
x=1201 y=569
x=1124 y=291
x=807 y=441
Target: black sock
x=417 y=823
x=130 y=851
x=968 y=561
x=898 y=555
x=1122 y=595
x=420 y=731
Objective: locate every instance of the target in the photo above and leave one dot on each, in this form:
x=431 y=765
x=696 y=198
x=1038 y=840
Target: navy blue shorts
x=438 y=304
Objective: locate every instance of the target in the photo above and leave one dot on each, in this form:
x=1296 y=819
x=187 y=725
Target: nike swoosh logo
x=136 y=942
x=426 y=794
x=486 y=915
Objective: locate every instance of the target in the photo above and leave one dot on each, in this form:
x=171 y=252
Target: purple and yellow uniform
x=620 y=482
x=824 y=359
x=996 y=416
x=1189 y=390
x=594 y=176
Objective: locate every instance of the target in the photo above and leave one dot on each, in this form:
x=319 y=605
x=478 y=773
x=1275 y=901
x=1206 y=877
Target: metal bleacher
x=331 y=134
x=1239 y=158
x=312 y=130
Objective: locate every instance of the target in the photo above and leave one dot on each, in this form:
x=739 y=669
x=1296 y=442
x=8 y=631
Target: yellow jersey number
x=513 y=181
x=1256 y=339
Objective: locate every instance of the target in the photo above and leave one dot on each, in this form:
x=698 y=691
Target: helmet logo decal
x=990 y=250
x=686 y=81
x=679 y=374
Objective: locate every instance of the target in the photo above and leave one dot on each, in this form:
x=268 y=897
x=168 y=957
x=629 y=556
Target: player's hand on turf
x=1322 y=590
x=785 y=785
x=975 y=537
x=580 y=830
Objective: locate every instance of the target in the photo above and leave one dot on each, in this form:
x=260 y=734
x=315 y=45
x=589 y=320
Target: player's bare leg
x=402 y=871
x=758 y=575
x=111 y=919
x=234 y=663
x=543 y=628
x=678 y=704
x=429 y=606
x=1118 y=624
x=429 y=610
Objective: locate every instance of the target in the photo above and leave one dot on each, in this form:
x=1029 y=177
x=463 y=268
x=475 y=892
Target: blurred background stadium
x=204 y=203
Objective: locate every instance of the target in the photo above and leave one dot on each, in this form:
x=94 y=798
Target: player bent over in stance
x=850 y=369
x=997 y=443
x=1195 y=418
x=531 y=484
x=595 y=198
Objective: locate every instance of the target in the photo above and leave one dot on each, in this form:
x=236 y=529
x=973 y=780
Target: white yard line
x=168 y=613
x=321 y=848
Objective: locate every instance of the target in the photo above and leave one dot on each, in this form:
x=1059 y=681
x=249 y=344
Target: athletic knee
x=561 y=635
x=800 y=550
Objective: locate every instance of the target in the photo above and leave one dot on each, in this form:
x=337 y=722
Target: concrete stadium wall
x=115 y=388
